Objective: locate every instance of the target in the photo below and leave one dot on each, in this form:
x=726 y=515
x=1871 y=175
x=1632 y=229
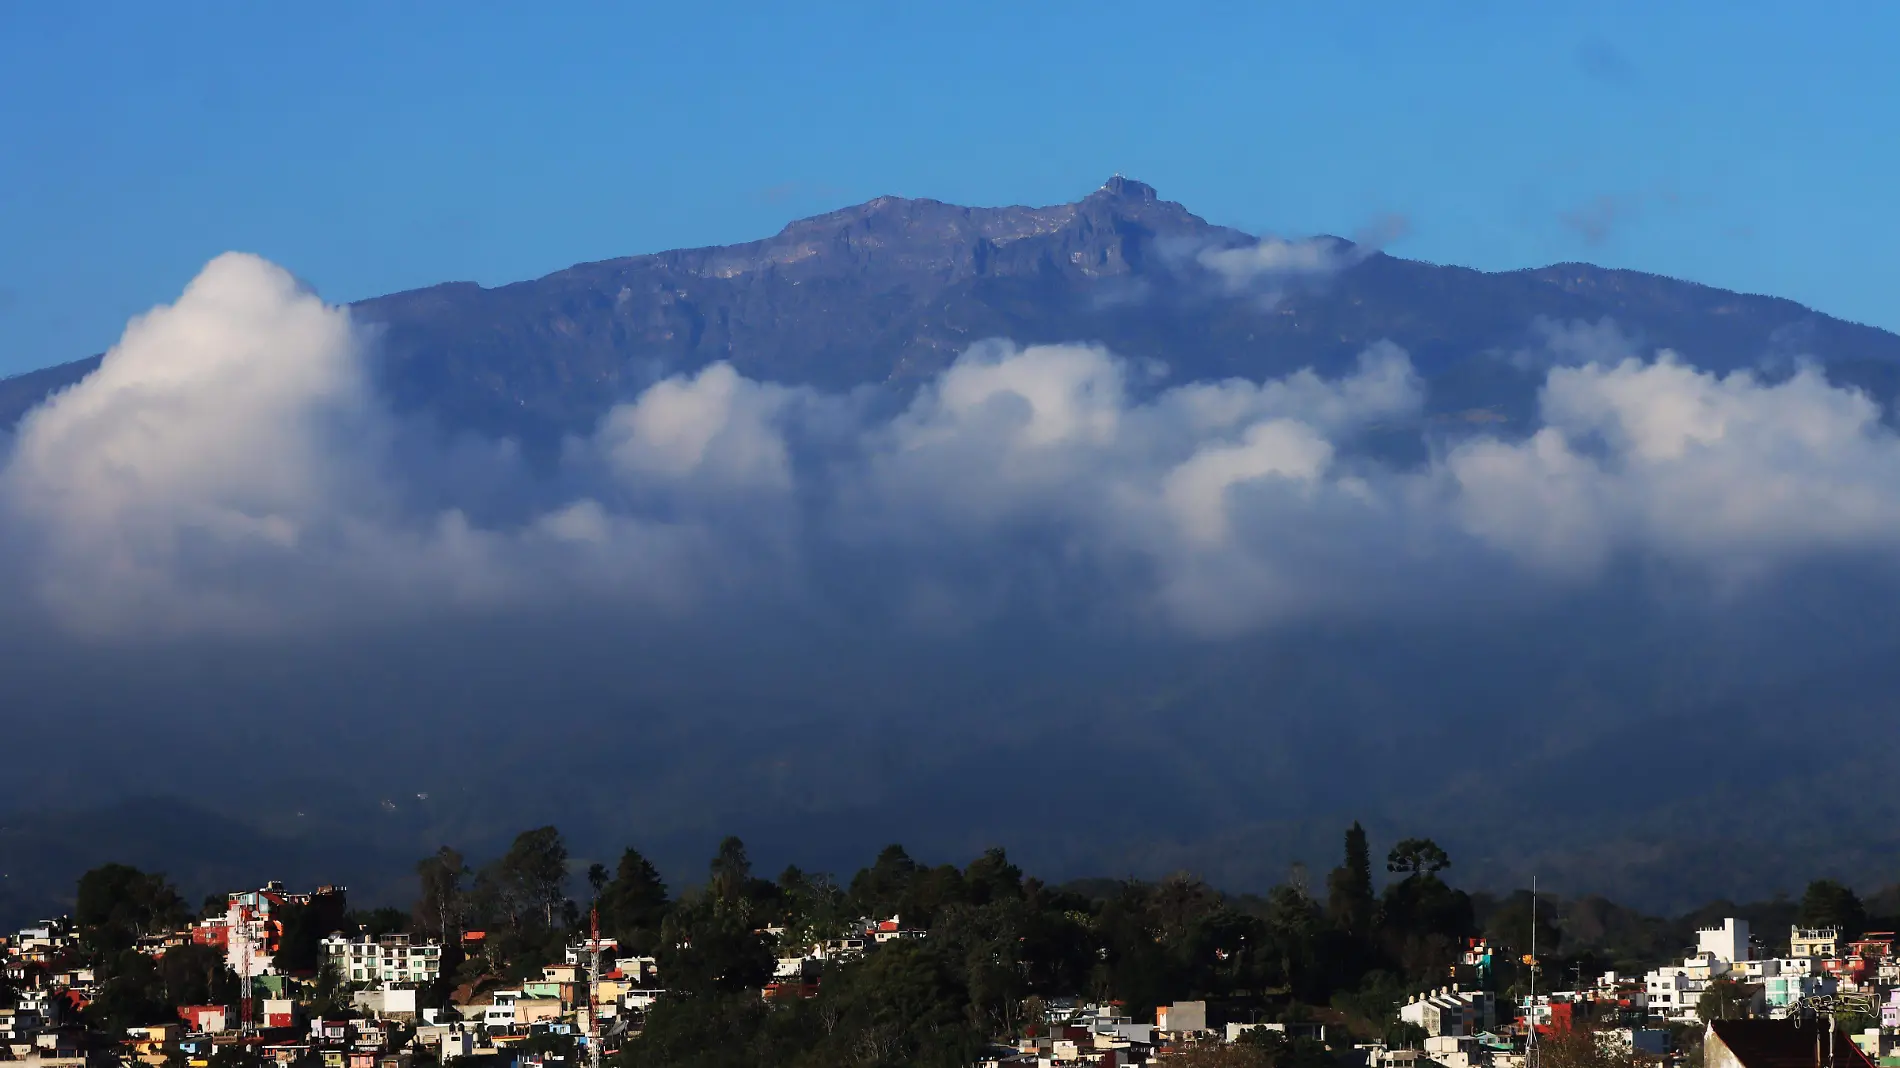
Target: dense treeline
x=998 y=945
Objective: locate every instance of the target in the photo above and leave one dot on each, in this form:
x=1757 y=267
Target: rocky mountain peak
x=1127 y=189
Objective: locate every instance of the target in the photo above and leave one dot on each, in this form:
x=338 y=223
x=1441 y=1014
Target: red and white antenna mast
x=239 y=936
x=593 y=987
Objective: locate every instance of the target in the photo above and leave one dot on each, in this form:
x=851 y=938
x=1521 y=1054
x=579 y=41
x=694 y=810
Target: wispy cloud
x=1597 y=219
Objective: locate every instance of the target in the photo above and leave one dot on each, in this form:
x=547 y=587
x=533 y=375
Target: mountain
x=1602 y=736
x=891 y=290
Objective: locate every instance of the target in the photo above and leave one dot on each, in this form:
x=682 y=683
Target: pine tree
x=1349 y=900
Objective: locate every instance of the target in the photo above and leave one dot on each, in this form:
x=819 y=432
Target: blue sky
x=374 y=147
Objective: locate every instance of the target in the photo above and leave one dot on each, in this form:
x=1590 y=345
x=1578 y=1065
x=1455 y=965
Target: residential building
x=580 y=953
x=641 y=1000
x=1456 y=1051
x=1777 y=1044
x=1780 y=992
x=279 y=1012
x=251 y=930
x=1875 y=1043
x=153 y=1045
x=1814 y=942
x=391 y=958
x=1727 y=943
x=893 y=930
x=1181 y=1018
x=1672 y=992
x=1450 y=1011
x=205 y=1019
x=387 y=1004
x=1653 y=1041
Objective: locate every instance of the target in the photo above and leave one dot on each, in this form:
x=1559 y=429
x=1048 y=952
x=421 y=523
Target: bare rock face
x=891 y=290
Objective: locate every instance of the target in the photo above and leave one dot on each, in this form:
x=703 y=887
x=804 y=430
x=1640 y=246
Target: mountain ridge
x=888 y=292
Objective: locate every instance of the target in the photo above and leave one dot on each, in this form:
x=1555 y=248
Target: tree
x=1421 y=920
x=535 y=871
x=1830 y=904
x=130 y=993
x=1584 y=1047
x=196 y=975
x=991 y=877
x=1349 y=900
x=1417 y=856
x=440 y=906
x=880 y=889
x=633 y=902
x=1293 y=920
x=300 y=941
x=328 y=997
x=731 y=870
x=1281 y=1051
x=377 y=922
x=1510 y=925
x=711 y=950
x=117 y=903
x=1724 y=999
x=903 y=1005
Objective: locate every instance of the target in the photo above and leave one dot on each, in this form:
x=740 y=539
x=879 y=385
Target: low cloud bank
x=229 y=469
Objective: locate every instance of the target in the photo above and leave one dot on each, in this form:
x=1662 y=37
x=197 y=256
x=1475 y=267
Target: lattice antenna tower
x=593 y=987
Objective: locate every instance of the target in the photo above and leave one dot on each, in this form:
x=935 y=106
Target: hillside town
x=295 y=978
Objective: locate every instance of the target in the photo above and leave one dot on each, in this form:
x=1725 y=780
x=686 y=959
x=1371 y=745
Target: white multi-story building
x=1449 y=1011
x=1727 y=943
x=1673 y=992
x=390 y=959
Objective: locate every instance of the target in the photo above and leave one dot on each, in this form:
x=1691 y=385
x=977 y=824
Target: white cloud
x=1658 y=458
x=223 y=433
x=1273 y=262
x=1196 y=490
x=716 y=427
x=227 y=468
x=1278 y=259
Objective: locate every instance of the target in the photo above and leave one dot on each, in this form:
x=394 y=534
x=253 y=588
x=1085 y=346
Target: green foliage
x=1422 y=921
x=1417 y=856
x=304 y=926
x=117 y=903
x=1349 y=899
x=722 y=1031
x=731 y=873
x=883 y=888
x=1724 y=999
x=132 y=992
x=330 y=996
x=378 y=921
x=533 y=874
x=196 y=975
x=900 y=1006
x=1830 y=904
x=1283 y=1052
x=997 y=947
x=633 y=903
x=708 y=951
x=441 y=905
x=1509 y=927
